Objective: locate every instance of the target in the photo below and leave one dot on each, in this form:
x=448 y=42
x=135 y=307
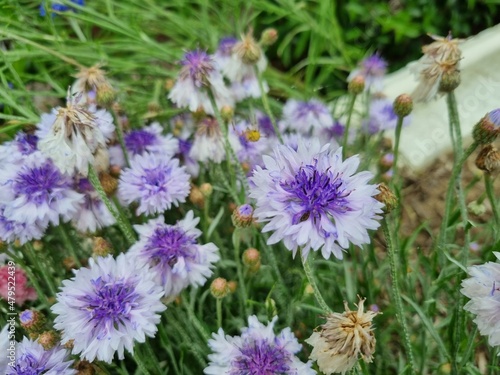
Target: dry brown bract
x=343 y=339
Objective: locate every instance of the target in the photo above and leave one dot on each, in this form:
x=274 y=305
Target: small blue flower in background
x=59 y=7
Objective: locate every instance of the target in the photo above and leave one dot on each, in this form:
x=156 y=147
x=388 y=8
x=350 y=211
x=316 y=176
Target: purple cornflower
x=372 y=69
x=37 y=193
x=14 y=152
x=92 y=213
x=382 y=117
x=11 y=230
x=197 y=75
x=306 y=117
x=57 y=7
x=257 y=351
x=32 y=358
x=155 y=182
x=108 y=306
x=312 y=199
x=250 y=152
x=147 y=139
x=173 y=253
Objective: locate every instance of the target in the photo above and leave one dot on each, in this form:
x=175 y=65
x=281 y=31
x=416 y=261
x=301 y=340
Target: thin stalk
x=306 y=262
x=265 y=103
x=121 y=220
x=151 y=357
x=488 y=182
x=239 y=271
x=141 y=363
x=76 y=28
x=451 y=102
x=399 y=126
x=218 y=304
x=196 y=323
x=350 y=110
x=397 y=294
x=30 y=253
x=68 y=244
x=455 y=176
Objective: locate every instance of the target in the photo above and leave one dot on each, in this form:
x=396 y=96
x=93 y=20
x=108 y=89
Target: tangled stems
x=306 y=262
x=350 y=110
x=120 y=218
x=454 y=179
x=397 y=294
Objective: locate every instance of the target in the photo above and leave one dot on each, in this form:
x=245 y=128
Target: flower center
x=314 y=194
x=26 y=143
x=261 y=358
x=110 y=304
x=39 y=183
x=138 y=140
x=29 y=365
x=166 y=245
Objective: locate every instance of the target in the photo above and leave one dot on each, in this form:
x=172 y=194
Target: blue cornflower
x=311 y=198
x=257 y=351
x=306 y=116
x=108 y=306
x=32 y=358
x=155 y=182
x=173 y=253
x=57 y=7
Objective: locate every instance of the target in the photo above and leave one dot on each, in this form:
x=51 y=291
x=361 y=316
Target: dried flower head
x=74 y=139
x=441 y=58
x=343 y=339
x=488 y=159
x=93 y=81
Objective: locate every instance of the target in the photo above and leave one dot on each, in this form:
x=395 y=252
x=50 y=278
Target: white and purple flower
x=312 y=199
x=257 y=351
x=199 y=74
x=14 y=152
x=32 y=358
x=306 y=117
x=103 y=309
x=382 y=117
x=155 y=182
x=373 y=70
x=173 y=253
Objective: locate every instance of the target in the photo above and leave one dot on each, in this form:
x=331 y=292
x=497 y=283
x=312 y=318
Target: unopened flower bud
x=403 y=105
x=109 y=183
x=251 y=259
x=386 y=162
x=252 y=135
x=386 y=144
x=270 y=305
x=248 y=49
x=219 y=288
x=268 y=37
x=227 y=113
x=101 y=247
x=38 y=245
x=169 y=84
x=246 y=166
x=450 y=80
x=69 y=263
x=196 y=196
x=69 y=344
x=48 y=339
x=242 y=216
x=356 y=85
x=85 y=368
x=488 y=128
x=206 y=189
x=232 y=285
x=476 y=208
x=488 y=160
x=387 y=197
x=105 y=95
x=32 y=321
x=115 y=170
x=154 y=108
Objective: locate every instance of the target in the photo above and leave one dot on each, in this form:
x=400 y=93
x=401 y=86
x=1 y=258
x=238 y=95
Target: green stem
x=350 y=110
x=196 y=323
x=121 y=220
x=265 y=103
x=306 y=262
x=141 y=363
x=68 y=244
x=151 y=357
x=455 y=176
x=218 y=305
x=397 y=294
x=76 y=28
x=239 y=271
x=399 y=126
x=455 y=122
x=30 y=253
x=488 y=182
